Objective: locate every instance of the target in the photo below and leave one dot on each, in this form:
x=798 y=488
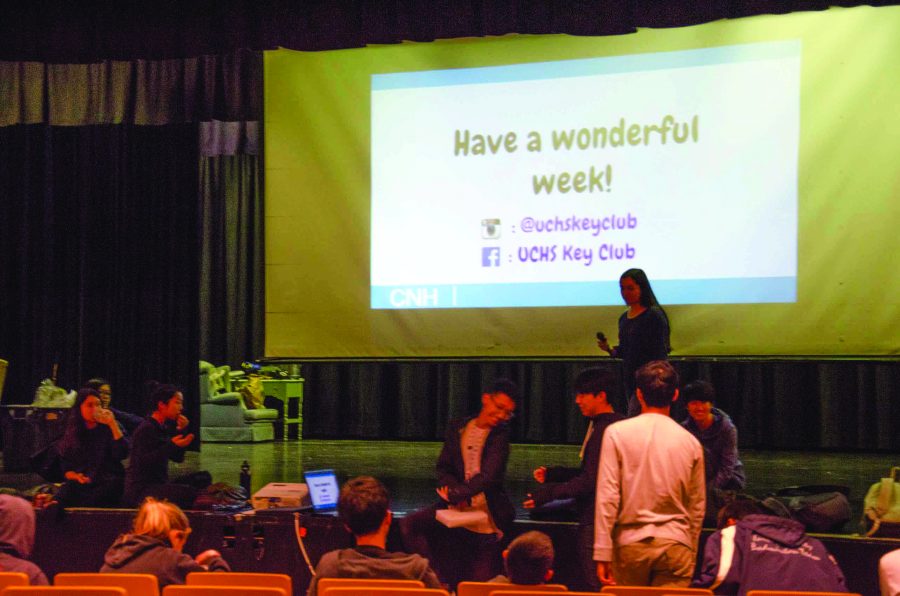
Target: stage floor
x=407 y=468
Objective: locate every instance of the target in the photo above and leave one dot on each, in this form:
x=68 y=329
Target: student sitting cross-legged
x=364 y=508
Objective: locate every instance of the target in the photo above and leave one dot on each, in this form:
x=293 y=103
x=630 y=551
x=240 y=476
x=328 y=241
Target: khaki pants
x=654 y=562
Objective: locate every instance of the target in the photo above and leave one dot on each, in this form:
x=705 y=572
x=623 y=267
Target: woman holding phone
x=643 y=331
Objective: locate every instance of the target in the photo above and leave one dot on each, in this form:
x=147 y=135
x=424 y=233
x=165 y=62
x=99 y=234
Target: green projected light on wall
x=480 y=197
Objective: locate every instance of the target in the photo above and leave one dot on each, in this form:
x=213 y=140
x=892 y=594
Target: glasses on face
x=505 y=413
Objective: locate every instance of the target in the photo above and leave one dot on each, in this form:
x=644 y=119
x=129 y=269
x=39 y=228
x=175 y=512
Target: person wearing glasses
x=461 y=533
x=128 y=422
x=155 y=546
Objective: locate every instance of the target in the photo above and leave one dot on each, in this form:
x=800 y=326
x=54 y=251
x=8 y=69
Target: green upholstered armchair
x=224 y=417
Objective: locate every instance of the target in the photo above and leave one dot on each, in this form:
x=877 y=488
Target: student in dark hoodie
x=155 y=546
x=752 y=551
x=363 y=507
x=17 y=539
x=718 y=436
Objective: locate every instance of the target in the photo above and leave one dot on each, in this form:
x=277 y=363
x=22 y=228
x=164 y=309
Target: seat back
x=221 y=591
x=64 y=591
x=263 y=580
x=796 y=593
x=488 y=588
x=653 y=591
x=370 y=591
x=525 y=592
x=136 y=584
x=354 y=582
x=12 y=578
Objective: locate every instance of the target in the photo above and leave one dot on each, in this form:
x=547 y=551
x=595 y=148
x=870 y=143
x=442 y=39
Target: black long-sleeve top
x=94 y=453
x=151 y=450
x=641 y=340
x=579 y=483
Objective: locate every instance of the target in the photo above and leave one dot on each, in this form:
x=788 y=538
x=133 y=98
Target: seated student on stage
x=591 y=394
x=128 y=422
x=91 y=452
x=753 y=551
x=528 y=560
x=17 y=539
x=158 y=439
x=889 y=573
x=718 y=436
x=363 y=507
x=155 y=546
x=474 y=506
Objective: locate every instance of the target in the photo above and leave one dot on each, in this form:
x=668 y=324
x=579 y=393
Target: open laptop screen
x=323 y=489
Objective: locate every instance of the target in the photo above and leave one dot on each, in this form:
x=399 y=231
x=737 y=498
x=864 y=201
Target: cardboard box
x=281 y=494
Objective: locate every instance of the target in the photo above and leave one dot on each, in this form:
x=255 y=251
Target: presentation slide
x=538 y=184
x=480 y=198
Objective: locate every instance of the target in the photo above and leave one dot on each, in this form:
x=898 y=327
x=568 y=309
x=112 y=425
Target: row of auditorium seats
x=274 y=584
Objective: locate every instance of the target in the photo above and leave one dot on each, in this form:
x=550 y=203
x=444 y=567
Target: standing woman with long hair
x=91 y=452
x=643 y=331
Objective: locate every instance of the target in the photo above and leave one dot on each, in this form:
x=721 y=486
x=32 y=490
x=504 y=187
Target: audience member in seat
x=158 y=439
x=889 y=573
x=17 y=539
x=363 y=507
x=651 y=494
x=91 y=452
x=128 y=422
x=591 y=395
x=718 y=436
x=752 y=551
x=155 y=546
x=470 y=469
x=528 y=560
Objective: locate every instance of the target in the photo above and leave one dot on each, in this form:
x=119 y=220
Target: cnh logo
x=490 y=256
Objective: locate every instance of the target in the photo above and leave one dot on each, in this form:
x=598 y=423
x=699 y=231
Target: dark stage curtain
x=67 y=32
x=109 y=245
x=98 y=258
x=776 y=404
x=231 y=284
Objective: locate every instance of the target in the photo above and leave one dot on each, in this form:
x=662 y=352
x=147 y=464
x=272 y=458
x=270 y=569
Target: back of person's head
x=658 y=382
x=530 y=558
x=16 y=526
x=699 y=390
x=157 y=518
x=594 y=381
x=737 y=509
x=363 y=504
x=504 y=386
x=159 y=393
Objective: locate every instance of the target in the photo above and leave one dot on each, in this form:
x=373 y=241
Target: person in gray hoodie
x=17 y=538
x=155 y=546
x=363 y=507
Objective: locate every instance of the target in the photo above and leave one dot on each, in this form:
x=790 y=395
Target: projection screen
x=481 y=197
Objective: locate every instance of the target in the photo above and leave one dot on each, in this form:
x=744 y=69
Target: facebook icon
x=490 y=256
